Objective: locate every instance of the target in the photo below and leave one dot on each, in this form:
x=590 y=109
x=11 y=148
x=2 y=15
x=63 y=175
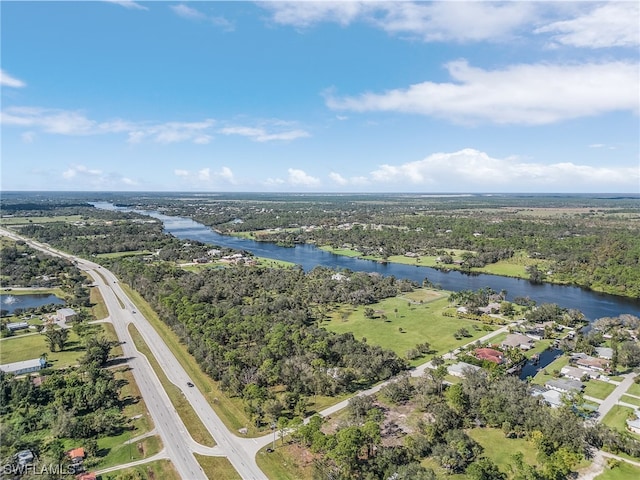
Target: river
x=593 y=305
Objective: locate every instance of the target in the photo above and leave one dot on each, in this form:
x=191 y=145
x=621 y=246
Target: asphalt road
x=177 y=441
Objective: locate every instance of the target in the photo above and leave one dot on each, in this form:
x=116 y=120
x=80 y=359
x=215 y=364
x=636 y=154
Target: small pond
x=10 y=303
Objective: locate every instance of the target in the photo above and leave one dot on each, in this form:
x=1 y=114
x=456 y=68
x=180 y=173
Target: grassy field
x=406 y=325
x=36 y=220
x=284 y=463
x=634 y=389
x=189 y=417
x=598 y=389
x=500 y=449
x=131 y=253
x=632 y=400
x=217 y=468
x=27 y=347
x=512 y=267
x=621 y=471
x=159 y=470
x=617 y=417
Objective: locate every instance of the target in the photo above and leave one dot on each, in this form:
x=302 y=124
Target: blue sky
x=321 y=96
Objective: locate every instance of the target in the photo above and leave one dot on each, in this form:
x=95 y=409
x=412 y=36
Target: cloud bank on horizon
x=351 y=96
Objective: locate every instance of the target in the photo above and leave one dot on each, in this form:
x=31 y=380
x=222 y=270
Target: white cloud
x=187 y=12
x=84 y=177
x=81 y=170
x=299 y=177
x=614 y=24
x=520 y=94
x=295 y=178
x=7 y=80
x=206 y=176
x=69 y=122
x=456 y=21
x=130 y=4
x=470 y=168
x=432 y=21
x=305 y=14
x=192 y=14
x=259 y=134
x=337 y=178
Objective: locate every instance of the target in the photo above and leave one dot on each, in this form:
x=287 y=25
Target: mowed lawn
x=622 y=471
x=617 y=419
x=28 y=347
x=407 y=324
x=501 y=449
x=598 y=389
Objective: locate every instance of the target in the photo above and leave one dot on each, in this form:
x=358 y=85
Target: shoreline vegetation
x=502 y=268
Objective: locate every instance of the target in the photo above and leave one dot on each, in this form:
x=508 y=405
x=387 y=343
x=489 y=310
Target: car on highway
x=189 y=384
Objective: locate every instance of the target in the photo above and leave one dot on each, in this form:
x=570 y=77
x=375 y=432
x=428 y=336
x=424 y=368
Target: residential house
x=489 y=354
x=604 y=352
x=633 y=423
x=553 y=398
x=592 y=363
x=578 y=373
x=461 y=368
x=25 y=366
x=493 y=307
x=517 y=340
x=564 y=385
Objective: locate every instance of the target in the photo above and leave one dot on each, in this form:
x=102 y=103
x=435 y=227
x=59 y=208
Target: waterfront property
x=564 y=385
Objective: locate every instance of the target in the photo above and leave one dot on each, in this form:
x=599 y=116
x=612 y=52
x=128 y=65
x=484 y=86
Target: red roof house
x=489 y=354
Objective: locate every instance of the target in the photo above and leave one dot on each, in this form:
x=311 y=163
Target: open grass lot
x=27 y=347
x=288 y=462
x=621 y=471
x=411 y=325
x=159 y=470
x=36 y=220
x=131 y=253
x=598 y=389
x=501 y=449
x=31 y=290
x=347 y=252
x=632 y=400
x=634 y=389
x=271 y=263
x=217 y=468
x=617 y=417
x=189 y=417
x=117 y=452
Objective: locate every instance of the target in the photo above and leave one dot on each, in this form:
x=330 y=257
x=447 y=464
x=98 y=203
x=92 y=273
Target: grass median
x=217 y=468
x=230 y=410
x=188 y=415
